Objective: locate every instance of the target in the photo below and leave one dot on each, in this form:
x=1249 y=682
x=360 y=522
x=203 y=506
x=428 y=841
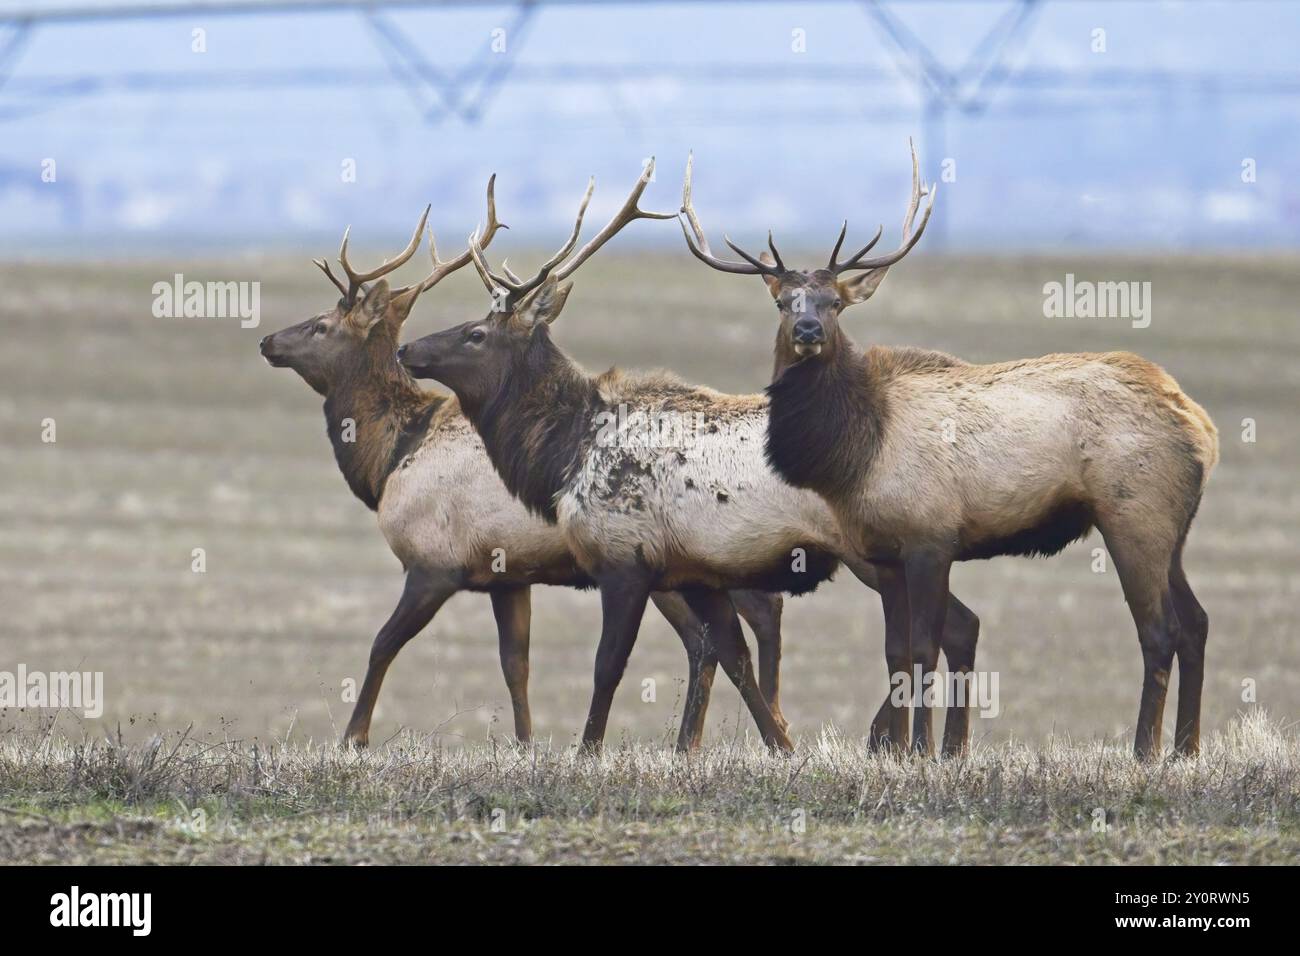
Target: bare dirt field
x=173 y=434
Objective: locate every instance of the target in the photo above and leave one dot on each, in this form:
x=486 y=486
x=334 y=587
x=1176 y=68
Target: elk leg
x=1157 y=633
x=927 y=606
x=622 y=602
x=889 y=727
x=1193 y=629
x=762 y=612
x=715 y=609
x=512 y=608
x=1143 y=562
x=703 y=664
x=961 y=631
x=422 y=596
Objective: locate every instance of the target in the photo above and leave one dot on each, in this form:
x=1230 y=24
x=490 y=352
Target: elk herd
x=843 y=462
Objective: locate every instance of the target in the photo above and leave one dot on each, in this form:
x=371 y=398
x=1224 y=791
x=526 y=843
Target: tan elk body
x=708 y=511
x=443 y=506
x=980 y=457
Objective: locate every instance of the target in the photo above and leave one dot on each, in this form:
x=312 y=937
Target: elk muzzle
x=808 y=337
x=274 y=357
x=420 y=357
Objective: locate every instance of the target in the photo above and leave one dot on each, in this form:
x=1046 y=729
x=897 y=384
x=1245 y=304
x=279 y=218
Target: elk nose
x=261 y=343
x=808 y=332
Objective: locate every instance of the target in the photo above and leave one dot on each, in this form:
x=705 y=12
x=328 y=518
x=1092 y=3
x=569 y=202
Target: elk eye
x=318 y=329
x=478 y=335
x=837 y=304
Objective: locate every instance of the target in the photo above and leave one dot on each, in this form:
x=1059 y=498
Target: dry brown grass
x=417 y=801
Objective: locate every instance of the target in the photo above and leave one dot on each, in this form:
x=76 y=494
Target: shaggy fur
x=708 y=513
x=389 y=413
x=536 y=428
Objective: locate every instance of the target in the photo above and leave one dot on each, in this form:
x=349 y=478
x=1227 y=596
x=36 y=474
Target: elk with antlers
x=410 y=455
x=700 y=511
x=1045 y=449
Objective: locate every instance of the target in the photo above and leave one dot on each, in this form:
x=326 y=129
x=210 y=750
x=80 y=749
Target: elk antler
x=909 y=238
x=357 y=280
x=838 y=267
x=699 y=245
x=443 y=269
x=515 y=288
x=628 y=212
x=325 y=268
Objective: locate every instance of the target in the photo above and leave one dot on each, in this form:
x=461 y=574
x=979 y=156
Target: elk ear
x=861 y=287
x=401 y=305
x=373 y=307
x=773 y=283
x=545 y=304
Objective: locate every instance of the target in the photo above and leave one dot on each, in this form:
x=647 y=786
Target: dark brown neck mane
x=389 y=411
x=536 y=427
x=825 y=419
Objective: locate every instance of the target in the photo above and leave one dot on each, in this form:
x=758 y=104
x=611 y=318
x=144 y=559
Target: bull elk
x=412 y=457
x=1045 y=449
x=700 y=511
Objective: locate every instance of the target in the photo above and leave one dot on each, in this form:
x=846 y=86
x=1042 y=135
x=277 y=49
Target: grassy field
x=177 y=800
x=173 y=434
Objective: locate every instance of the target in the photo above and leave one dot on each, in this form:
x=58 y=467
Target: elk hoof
x=781 y=743
x=781 y=722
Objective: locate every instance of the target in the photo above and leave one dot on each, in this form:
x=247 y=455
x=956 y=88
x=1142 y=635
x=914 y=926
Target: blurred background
x=229 y=141
x=1053 y=123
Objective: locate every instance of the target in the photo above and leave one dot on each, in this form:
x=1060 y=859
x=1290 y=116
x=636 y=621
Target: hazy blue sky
x=1081 y=148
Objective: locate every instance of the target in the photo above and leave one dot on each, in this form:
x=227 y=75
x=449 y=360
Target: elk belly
x=1039 y=534
x=797 y=569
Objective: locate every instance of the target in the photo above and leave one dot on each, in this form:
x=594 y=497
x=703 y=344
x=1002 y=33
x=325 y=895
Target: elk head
x=362 y=329
x=475 y=359
x=810 y=301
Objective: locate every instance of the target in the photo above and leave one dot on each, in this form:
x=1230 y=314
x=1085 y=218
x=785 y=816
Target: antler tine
x=775 y=255
x=628 y=212
x=358 y=279
x=514 y=287
x=910 y=238
x=324 y=267
x=698 y=243
x=521 y=289
x=688 y=208
x=850 y=263
x=889 y=259
x=916 y=189
x=490 y=280
x=764 y=268
x=844 y=229
x=443 y=269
